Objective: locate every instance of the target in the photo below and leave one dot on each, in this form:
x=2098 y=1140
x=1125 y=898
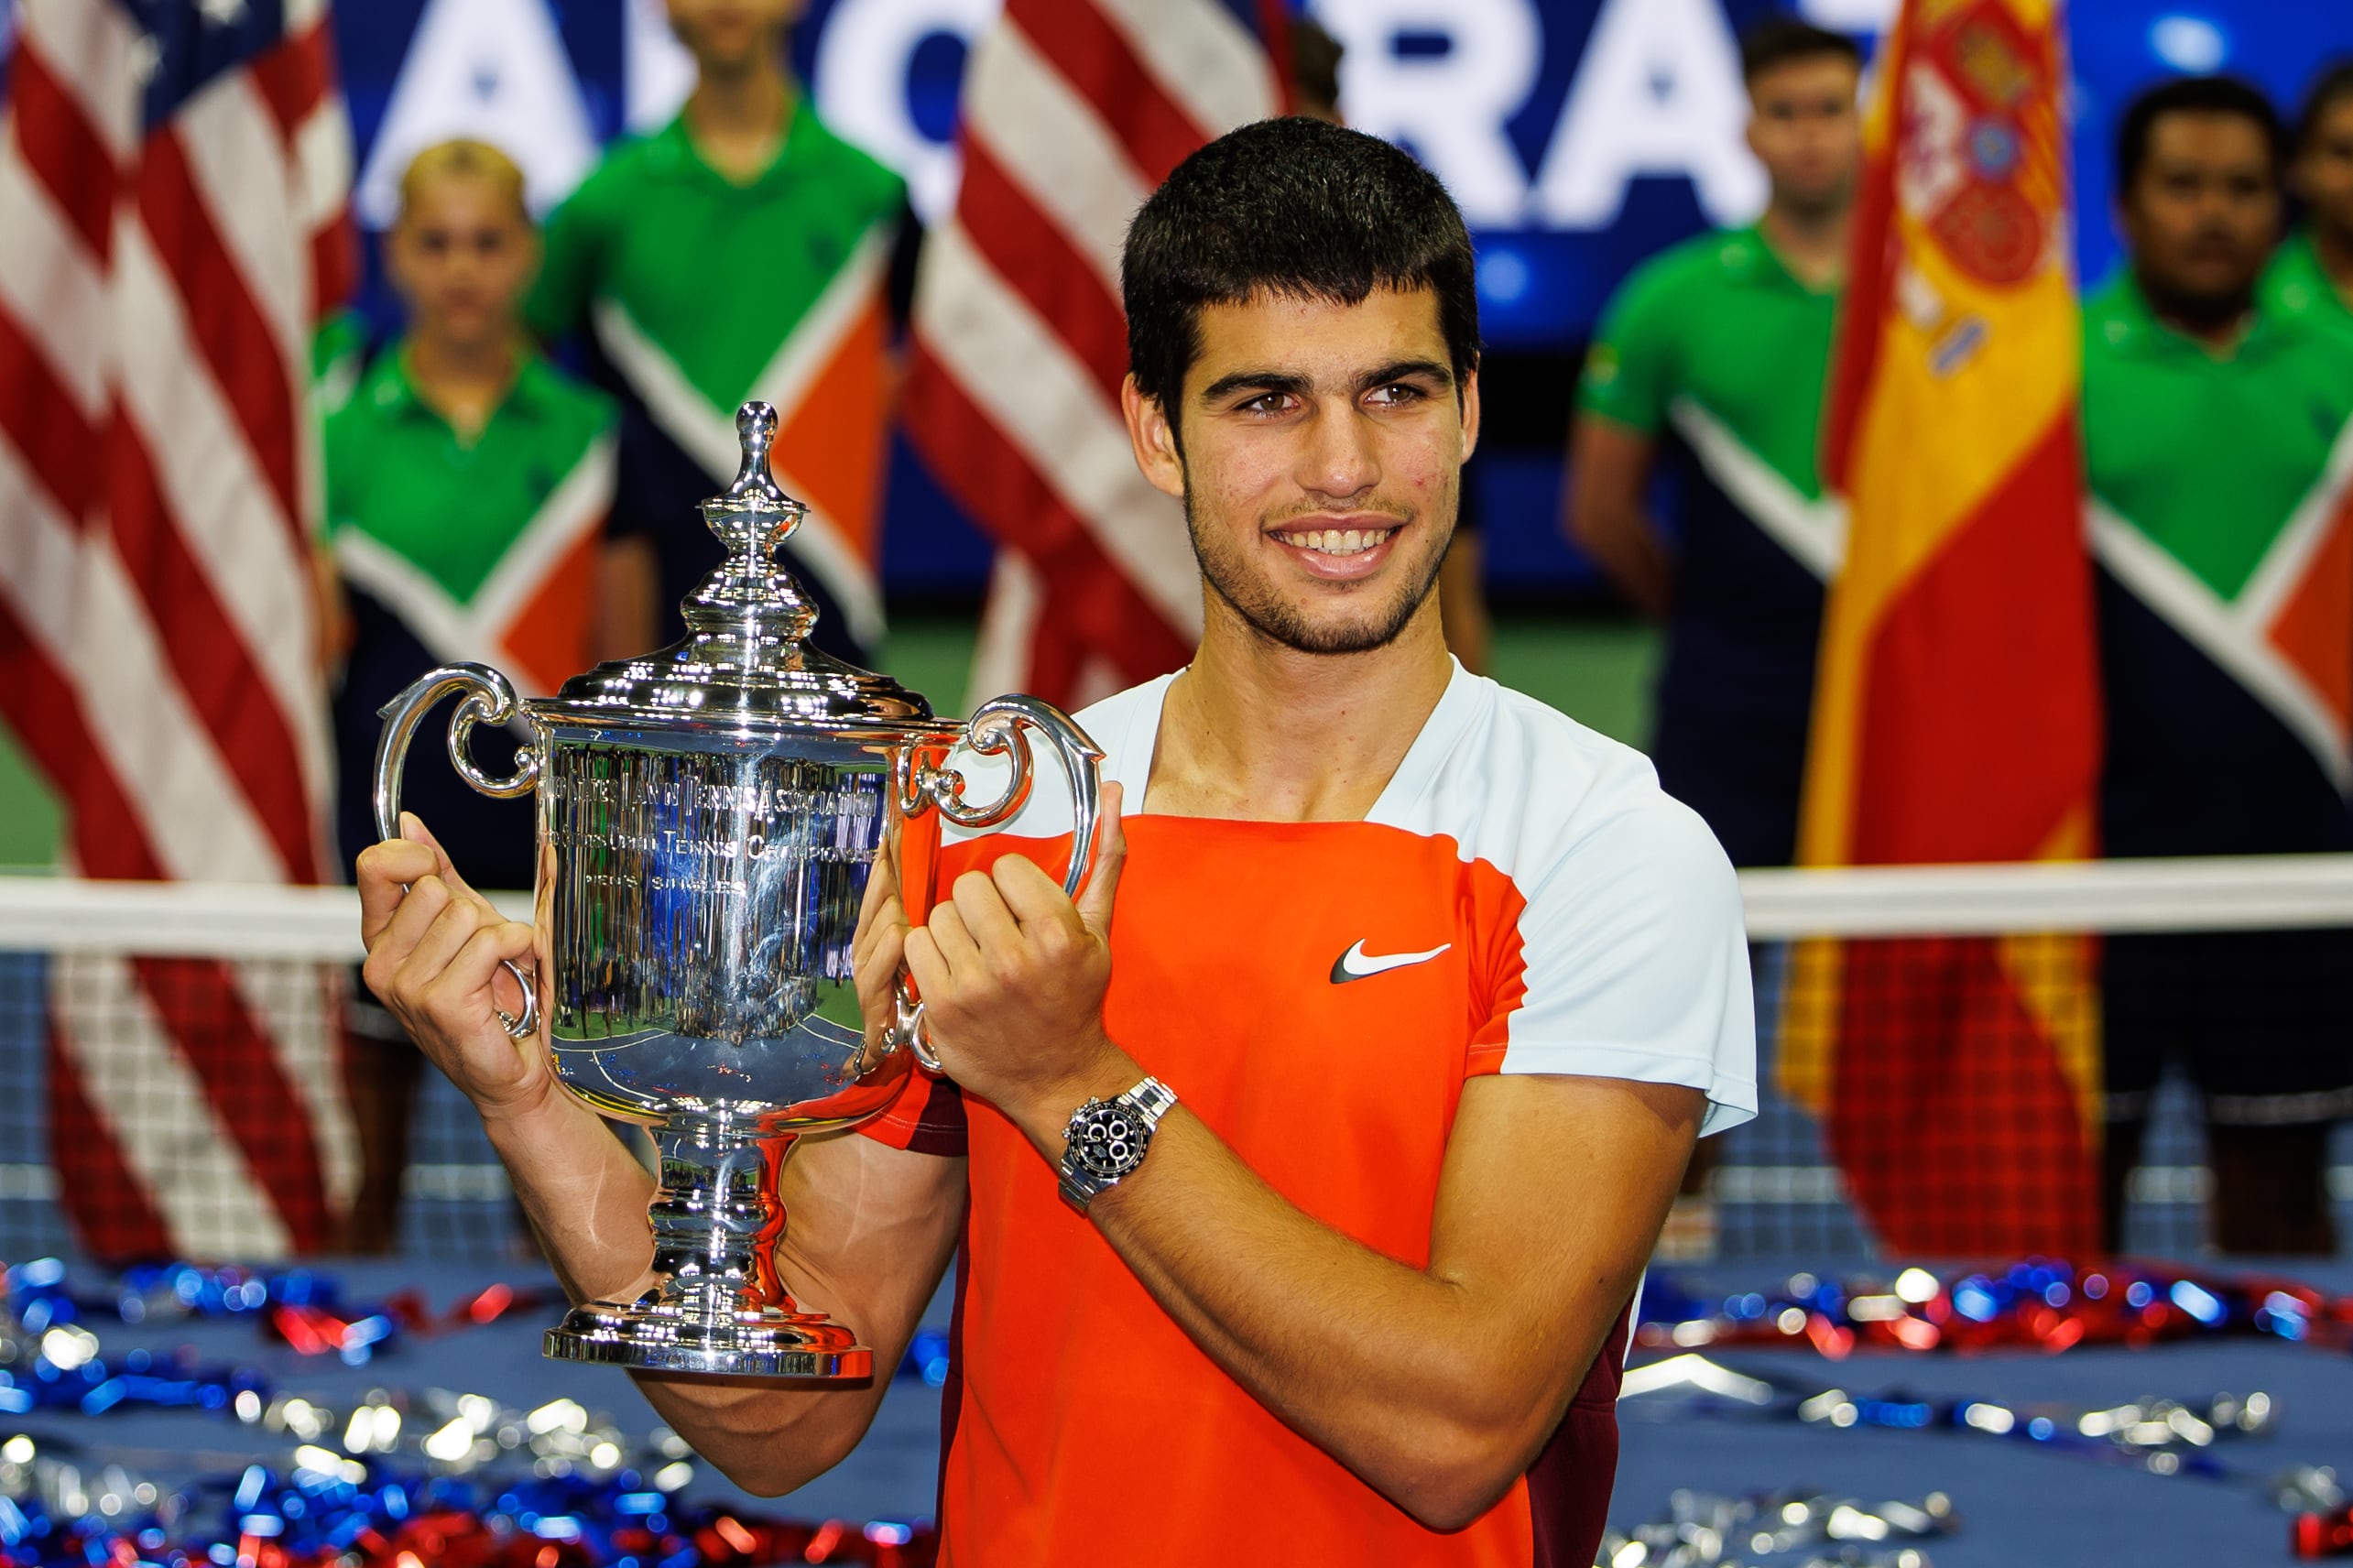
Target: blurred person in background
x=695 y=255
x=2211 y=412
x=2314 y=266
x=1713 y=355
x=1461 y=597
x=468 y=482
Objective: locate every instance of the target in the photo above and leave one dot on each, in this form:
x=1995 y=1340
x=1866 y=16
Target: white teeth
x=1337 y=541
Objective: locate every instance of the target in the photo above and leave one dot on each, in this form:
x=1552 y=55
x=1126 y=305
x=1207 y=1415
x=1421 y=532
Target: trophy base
x=651 y=1337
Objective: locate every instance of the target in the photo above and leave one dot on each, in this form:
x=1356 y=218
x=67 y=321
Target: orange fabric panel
x=833 y=443
x=554 y=635
x=2310 y=628
x=1224 y=947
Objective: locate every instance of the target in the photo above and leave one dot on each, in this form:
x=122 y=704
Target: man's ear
x=1470 y=410
x=1153 y=439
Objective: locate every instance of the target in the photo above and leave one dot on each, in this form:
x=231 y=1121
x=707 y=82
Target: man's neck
x=463 y=382
x=1256 y=731
x=2333 y=249
x=1813 y=246
x=737 y=119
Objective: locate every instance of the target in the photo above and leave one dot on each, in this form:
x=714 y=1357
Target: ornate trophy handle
x=489 y=696
x=997 y=727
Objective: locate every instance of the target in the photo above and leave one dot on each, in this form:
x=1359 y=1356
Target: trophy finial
x=756 y=432
x=749 y=595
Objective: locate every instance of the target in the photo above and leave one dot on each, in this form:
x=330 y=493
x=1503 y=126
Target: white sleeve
x=1635 y=960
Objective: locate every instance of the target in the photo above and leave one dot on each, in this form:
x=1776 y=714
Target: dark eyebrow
x=1260 y=381
x=1264 y=381
x=1408 y=370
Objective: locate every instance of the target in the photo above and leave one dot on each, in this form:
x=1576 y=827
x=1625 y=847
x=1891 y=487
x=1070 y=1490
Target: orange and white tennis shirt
x=1522 y=899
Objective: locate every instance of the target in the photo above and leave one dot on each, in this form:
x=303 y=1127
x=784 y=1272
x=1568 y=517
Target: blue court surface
x=2020 y=1502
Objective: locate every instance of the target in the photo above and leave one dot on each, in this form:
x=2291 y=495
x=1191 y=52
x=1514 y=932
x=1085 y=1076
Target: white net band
x=2245 y=893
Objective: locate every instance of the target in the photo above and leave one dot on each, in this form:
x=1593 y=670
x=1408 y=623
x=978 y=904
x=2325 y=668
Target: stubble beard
x=1267 y=614
x=2202 y=311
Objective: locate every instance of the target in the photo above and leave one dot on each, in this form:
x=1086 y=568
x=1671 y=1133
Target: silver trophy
x=708 y=817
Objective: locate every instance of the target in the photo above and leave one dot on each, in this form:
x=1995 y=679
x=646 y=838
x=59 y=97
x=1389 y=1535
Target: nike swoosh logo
x=1357 y=964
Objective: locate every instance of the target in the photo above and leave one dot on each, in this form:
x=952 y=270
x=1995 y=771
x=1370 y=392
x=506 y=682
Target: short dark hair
x=2192 y=95
x=1777 y=41
x=1293 y=208
x=2330 y=88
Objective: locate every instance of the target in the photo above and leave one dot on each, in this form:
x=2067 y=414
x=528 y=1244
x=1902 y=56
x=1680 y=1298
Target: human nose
x=1341 y=460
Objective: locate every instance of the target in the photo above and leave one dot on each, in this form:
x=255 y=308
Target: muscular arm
x=1609 y=465
x=871 y=1227
x=1438 y=1386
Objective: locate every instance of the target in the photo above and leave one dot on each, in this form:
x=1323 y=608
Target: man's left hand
x=1013 y=974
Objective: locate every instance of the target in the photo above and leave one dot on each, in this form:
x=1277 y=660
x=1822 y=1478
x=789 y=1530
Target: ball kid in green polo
x=741 y=251
x=468 y=482
x=1712 y=359
x=2219 y=444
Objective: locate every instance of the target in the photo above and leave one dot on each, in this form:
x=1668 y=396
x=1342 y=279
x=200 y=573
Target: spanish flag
x=1956 y=712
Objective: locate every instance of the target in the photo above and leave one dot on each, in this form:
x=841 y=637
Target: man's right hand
x=435 y=951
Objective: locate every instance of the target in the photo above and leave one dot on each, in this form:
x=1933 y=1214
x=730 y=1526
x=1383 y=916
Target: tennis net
x=199 y=1061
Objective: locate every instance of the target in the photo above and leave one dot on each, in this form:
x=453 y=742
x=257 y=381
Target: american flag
x=1073 y=112
x=174 y=182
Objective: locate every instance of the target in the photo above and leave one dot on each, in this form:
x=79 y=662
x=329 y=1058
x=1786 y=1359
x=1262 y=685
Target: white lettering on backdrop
x=1448 y=99
x=495 y=70
x=863 y=61
x=1657 y=92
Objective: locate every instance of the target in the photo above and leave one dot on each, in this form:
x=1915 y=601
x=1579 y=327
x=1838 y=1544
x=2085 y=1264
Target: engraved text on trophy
x=707 y=894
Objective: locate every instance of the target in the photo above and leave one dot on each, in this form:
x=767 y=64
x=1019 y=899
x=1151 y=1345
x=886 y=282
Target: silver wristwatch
x=1106 y=1140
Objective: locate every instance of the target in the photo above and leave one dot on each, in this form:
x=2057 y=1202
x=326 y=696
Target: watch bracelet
x=1149 y=1099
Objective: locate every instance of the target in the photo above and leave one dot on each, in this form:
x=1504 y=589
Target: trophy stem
x=717 y=1219
x=719 y=1307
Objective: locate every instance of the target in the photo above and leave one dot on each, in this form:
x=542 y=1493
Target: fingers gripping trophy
x=708 y=820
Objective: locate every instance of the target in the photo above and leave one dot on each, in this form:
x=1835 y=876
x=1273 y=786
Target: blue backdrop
x=1580 y=135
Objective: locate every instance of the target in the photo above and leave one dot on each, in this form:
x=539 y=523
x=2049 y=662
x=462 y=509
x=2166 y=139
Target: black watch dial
x=1109 y=1140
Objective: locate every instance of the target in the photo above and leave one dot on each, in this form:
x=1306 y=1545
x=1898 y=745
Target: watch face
x=1110 y=1140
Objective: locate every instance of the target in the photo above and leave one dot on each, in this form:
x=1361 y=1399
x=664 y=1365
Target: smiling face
x=1319 y=455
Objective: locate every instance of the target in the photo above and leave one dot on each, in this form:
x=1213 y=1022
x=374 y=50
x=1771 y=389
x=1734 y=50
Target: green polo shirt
x=2208 y=469
x=1717 y=347
x=1722 y=321
x=2207 y=454
x=338 y=358
x=2296 y=284
x=716 y=274
x=400 y=473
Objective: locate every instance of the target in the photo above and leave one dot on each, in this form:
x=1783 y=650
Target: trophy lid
x=746 y=667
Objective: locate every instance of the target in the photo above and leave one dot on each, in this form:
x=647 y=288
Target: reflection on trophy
x=708 y=817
